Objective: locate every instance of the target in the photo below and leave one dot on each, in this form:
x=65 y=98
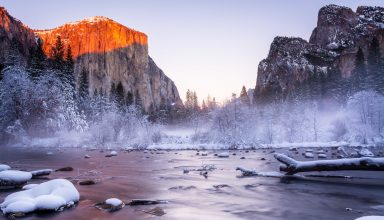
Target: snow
x=15 y=176
x=372 y=217
x=4 y=167
x=339 y=162
x=113 y=202
x=309 y=155
x=365 y=152
x=41 y=172
x=223 y=154
x=249 y=172
x=322 y=156
x=50 y=195
x=29 y=186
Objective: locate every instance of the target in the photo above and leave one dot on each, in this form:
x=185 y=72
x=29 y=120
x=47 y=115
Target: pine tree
x=84 y=84
x=83 y=98
x=112 y=94
x=374 y=64
x=1 y=71
x=130 y=98
x=244 y=98
x=204 y=107
x=58 y=54
x=13 y=54
x=138 y=100
x=36 y=62
x=95 y=93
x=120 y=95
x=188 y=104
x=68 y=70
x=359 y=74
x=195 y=102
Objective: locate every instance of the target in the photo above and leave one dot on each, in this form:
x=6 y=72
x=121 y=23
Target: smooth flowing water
x=224 y=194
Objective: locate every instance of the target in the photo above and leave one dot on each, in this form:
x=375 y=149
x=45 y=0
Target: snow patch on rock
x=113 y=202
x=51 y=195
x=4 y=167
x=15 y=176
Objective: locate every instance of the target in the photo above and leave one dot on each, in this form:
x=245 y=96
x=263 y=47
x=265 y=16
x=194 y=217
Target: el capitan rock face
x=113 y=53
x=332 y=49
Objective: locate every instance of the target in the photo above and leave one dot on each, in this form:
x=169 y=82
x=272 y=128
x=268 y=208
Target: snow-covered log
x=292 y=166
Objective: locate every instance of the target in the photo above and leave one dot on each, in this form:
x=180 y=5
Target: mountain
x=109 y=52
x=329 y=56
x=15 y=39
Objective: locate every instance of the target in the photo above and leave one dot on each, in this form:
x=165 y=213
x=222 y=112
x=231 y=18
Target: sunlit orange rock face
x=112 y=53
x=93 y=35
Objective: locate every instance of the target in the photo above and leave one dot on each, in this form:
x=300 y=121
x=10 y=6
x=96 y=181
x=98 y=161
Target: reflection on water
x=222 y=195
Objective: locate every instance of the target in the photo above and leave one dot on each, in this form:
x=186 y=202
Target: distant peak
x=97 y=19
x=93 y=19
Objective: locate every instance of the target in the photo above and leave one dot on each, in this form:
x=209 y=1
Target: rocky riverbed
x=200 y=184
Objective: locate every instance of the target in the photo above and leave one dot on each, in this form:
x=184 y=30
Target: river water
x=224 y=194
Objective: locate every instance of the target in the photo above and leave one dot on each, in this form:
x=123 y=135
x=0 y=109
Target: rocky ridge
x=331 y=49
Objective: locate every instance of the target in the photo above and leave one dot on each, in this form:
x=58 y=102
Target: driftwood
x=291 y=166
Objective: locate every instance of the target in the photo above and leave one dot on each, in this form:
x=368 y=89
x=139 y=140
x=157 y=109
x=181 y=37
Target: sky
x=210 y=46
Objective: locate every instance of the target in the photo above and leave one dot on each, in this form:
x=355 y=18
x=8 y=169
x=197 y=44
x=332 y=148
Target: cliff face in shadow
x=15 y=39
x=330 y=53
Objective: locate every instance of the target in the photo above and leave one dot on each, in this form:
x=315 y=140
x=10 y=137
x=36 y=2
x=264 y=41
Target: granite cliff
x=331 y=50
x=15 y=39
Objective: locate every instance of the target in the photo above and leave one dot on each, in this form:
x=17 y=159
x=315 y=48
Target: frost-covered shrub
x=41 y=107
x=126 y=127
x=365 y=112
x=360 y=120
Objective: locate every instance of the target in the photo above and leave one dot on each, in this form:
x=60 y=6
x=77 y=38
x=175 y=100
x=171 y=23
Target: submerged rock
x=87 y=182
x=182 y=187
x=111 y=154
x=220 y=186
x=136 y=202
x=65 y=169
x=155 y=211
x=115 y=204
